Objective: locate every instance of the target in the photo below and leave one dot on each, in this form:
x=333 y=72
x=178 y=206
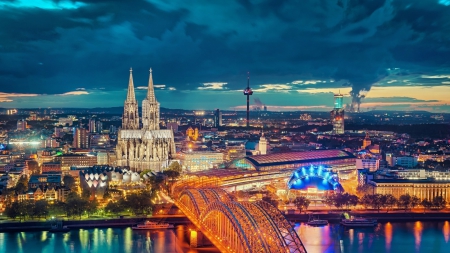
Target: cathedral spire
x=131 y=97
x=151 y=89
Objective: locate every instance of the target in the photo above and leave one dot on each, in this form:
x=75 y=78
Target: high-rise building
x=337 y=114
x=99 y=126
x=92 y=126
x=80 y=138
x=21 y=125
x=147 y=147
x=217 y=118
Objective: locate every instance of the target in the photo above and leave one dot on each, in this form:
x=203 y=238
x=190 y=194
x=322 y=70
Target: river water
x=386 y=237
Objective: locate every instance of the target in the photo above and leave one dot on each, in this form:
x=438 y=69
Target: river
x=386 y=237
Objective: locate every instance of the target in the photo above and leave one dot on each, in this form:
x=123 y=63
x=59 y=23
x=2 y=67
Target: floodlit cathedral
x=148 y=147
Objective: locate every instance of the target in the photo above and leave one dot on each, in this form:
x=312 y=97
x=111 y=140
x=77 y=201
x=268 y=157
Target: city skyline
x=77 y=53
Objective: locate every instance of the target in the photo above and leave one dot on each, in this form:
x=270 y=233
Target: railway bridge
x=247 y=227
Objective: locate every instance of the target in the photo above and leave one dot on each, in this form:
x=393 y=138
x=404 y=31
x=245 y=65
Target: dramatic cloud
x=352 y=45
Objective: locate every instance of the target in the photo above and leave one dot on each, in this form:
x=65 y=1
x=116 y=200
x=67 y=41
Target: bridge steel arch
x=249 y=227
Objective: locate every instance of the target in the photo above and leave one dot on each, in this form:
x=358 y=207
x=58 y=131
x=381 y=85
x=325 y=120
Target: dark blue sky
x=78 y=53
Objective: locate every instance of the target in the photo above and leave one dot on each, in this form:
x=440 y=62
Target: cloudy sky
x=64 y=53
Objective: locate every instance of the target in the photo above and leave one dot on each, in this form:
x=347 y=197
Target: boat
x=317 y=222
x=152 y=225
x=58 y=228
x=359 y=222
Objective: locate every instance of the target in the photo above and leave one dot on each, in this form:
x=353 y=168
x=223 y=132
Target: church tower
x=130 y=118
x=150 y=108
x=262 y=145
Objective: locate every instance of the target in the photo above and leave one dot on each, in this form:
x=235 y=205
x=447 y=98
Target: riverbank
x=16 y=226
x=397 y=216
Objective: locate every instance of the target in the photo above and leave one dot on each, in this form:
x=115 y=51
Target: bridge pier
x=197 y=239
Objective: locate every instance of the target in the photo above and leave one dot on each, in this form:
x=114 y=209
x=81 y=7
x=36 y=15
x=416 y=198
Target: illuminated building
x=192 y=133
x=99 y=141
x=65 y=121
x=405 y=161
x=51 y=167
x=92 y=126
x=366 y=142
x=217 y=118
x=293 y=160
x=102 y=158
x=173 y=126
x=262 y=145
x=80 y=138
x=148 y=147
x=21 y=125
x=51 y=143
x=337 y=114
x=314 y=181
x=370 y=164
x=199 y=161
x=45 y=180
x=422 y=188
x=78 y=161
x=248 y=92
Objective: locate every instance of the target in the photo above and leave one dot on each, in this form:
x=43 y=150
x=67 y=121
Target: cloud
x=8 y=97
x=75 y=93
x=271 y=87
x=436 y=76
x=213 y=86
x=80 y=89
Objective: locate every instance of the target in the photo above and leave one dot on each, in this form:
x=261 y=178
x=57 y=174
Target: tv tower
x=248 y=92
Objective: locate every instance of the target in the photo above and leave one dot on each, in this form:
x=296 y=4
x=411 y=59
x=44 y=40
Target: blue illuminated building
x=315 y=177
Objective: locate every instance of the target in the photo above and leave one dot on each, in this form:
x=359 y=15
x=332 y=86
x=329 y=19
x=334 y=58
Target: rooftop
x=304 y=157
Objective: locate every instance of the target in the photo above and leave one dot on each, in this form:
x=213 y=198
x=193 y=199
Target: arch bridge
x=239 y=226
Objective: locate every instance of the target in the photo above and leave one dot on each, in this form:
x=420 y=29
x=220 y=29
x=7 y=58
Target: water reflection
x=110 y=240
x=386 y=237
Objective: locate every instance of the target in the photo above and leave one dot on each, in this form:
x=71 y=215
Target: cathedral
x=146 y=147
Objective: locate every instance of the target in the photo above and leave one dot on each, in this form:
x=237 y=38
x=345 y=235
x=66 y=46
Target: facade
x=102 y=158
x=366 y=142
x=262 y=147
x=21 y=125
x=99 y=141
x=370 y=164
x=405 y=161
x=51 y=167
x=80 y=138
x=337 y=114
x=217 y=118
x=73 y=160
x=422 y=188
x=148 y=147
x=44 y=181
x=198 y=161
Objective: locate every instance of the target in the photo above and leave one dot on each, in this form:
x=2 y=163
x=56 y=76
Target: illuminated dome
x=318 y=177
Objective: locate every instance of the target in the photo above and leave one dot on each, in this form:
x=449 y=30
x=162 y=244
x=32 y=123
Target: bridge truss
x=252 y=227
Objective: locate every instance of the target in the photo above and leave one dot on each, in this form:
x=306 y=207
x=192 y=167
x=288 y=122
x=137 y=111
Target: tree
x=75 y=205
x=41 y=208
x=439 y=202
x=140 y=203
x=92 y=207
x=414 y=201
x=329 y=200
x=86 y=194
x=58 y=208
x=404 y=201
x=114 y=207
x=365 y=189
x=13 y=210
x=69 y=182
x=390 y=201
x=33 y=166
x=107 y=195
x=302 y=203
x=271 y=201
x=175 y=166
x=22 y=184
x=426 y=204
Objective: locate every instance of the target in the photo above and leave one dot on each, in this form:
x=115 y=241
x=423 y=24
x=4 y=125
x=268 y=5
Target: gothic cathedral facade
x=146 y=147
